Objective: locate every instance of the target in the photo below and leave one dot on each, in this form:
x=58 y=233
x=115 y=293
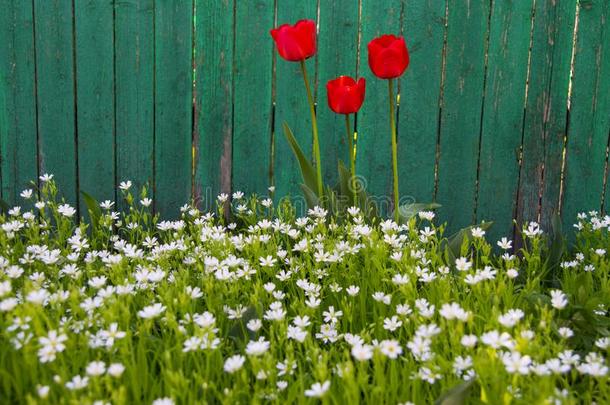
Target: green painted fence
x=504 y=112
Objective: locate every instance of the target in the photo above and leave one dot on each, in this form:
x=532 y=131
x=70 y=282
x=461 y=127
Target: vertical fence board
x=291 y=104
x=337 y=56
x=556 y=128
x=252 y=107
x=3 y=122
x=461 y=113
x=589 y=113
x=134 y=47
x=55 y=89
x=545 y=115
x=173 y=105
x=213 y=99
x=134 y=62
x=509 y=43
x=374 y=156
x=18 y=97
x=423 y=29
x=606 y=195
x=94 y=33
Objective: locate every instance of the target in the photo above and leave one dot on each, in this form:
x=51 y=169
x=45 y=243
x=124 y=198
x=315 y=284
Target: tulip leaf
x=453 y=244
x=307 y=170
x=4 y=207
x=366 y=203
x=408 y=211
x=334 y=201
x=310 y=196
x=344 y=176
x=456 y=395
x=93 y=207
x=363 y=200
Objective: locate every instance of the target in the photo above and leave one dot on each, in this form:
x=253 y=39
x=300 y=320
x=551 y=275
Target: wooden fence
x=504 y=111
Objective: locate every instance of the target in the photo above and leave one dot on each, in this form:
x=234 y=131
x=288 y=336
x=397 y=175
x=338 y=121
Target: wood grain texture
x=509 y=42
x=18 y=138
x=213 y=99
x=173 y=105
x=589 y=121
x=134 y=48
x=337 y=56
x=3 y=123
x=55 y=94
x=545 y=115
x=291 y=104
x=374 y=156
x=252 y=106
x=94 y=33
x=461 y=115
x=98 y=92
x=423 y=29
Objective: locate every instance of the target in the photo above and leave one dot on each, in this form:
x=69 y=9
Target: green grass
x=384 y=313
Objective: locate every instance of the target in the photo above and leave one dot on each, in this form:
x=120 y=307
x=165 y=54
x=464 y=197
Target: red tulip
x=388 y=56
x=295 y=42
x=345 y=96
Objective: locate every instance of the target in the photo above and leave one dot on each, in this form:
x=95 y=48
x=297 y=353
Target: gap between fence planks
x=189 y=98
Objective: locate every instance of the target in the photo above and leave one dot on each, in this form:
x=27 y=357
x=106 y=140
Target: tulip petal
x=345 y=95
x=388 y=56
x=295 y=42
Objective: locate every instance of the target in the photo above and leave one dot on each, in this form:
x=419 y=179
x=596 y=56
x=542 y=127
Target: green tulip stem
x=352 y=157
x=314 y=130
x=394 y=152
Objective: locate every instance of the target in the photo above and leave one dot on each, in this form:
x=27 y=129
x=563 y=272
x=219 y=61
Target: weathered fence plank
x=213 y=99
x=467 y=33
x=606 y=196
x=134 y=64
x=94 y=34
x=252 y=97
x=545 y=115
x=337 y=56
x=18 y=135
x=589 y=121
x=55 y=93
x=374 y=156
x=291 y=104
x=509 y=44
x=101 y=92
x=424 y=31
x=173 y=105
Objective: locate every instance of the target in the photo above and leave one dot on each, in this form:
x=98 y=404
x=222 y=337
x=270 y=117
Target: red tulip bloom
x=295 y=42
x=345 y=95
x=388 y=56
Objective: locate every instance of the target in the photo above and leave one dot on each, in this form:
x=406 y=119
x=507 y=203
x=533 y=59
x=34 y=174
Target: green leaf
x=408 y=211
x=367 y=204
x=453 y=244
x=307 y=170
x=310 y=196
x=239 y=332
x=344 y=176
x=331 y=202
x=456 y=395
x=363 y=200
x=93 y=207
x=4 y=207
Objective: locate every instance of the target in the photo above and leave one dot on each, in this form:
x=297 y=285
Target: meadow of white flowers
x=266 y=307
